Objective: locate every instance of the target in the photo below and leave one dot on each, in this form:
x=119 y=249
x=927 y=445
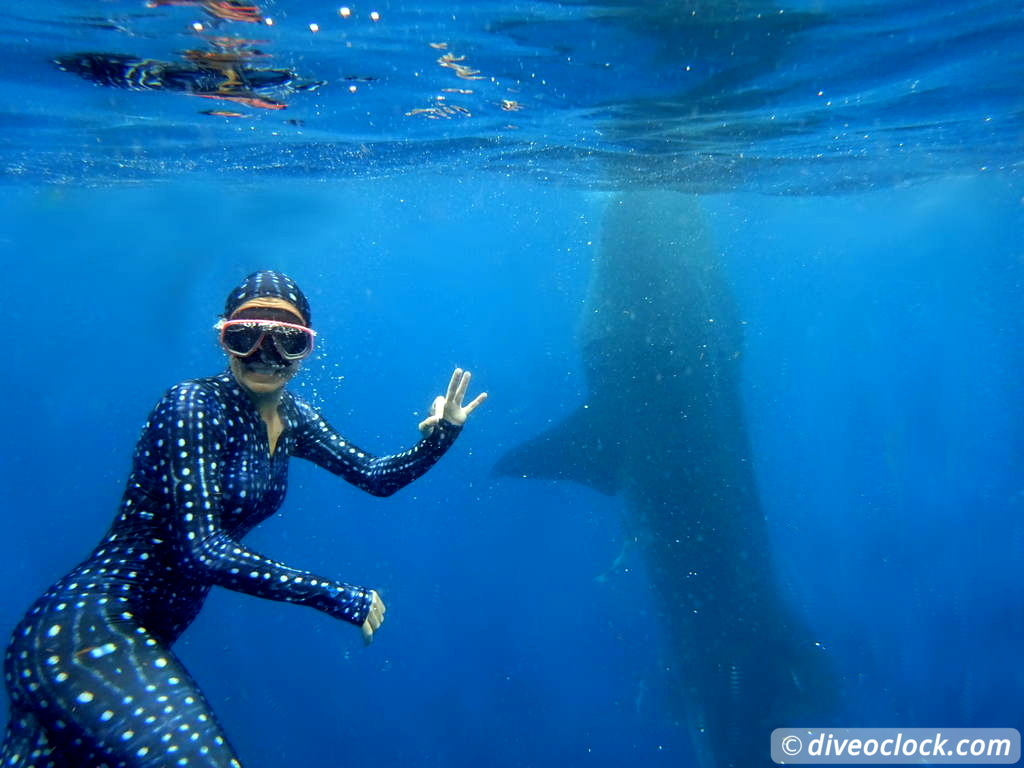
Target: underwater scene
x=742 y=282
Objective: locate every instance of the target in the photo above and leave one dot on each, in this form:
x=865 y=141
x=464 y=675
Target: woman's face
x=265 y=371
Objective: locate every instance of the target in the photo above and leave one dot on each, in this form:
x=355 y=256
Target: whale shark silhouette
x=663 y=427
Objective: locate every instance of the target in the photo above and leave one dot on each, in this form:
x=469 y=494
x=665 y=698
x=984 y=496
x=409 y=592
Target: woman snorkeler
x=89 y=669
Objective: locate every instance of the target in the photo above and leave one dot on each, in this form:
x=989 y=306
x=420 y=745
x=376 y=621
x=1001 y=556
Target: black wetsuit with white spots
x=91 y=675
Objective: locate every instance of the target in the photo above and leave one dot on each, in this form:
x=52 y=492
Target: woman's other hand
x=374 y=618
x=449 y=407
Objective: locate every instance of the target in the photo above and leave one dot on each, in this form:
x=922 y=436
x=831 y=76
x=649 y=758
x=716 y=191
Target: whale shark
x=663 y=427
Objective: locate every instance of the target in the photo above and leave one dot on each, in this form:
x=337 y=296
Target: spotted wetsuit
x=90 y=671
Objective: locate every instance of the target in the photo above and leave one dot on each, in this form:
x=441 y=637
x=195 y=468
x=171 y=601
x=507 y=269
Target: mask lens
x=242 y=338
x=292 y=343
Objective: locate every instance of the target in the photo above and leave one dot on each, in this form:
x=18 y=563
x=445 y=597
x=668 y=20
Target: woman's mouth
x=267 y=368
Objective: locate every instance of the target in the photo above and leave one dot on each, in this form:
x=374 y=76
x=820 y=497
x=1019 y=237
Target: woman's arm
x=320 y=443
x=188 y=441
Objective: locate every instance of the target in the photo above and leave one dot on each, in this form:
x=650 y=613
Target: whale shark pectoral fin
x=572 y=450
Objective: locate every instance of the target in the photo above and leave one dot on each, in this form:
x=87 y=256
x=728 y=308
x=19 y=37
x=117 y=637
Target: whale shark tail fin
x=572 y=450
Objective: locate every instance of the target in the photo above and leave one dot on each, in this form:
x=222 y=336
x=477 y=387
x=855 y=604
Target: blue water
x=861 y=164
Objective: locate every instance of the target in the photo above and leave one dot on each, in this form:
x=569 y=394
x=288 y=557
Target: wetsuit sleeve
x=194 y=433
x=318 y=442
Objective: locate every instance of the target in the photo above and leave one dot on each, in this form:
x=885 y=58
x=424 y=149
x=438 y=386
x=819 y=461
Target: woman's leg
x=25 y=744
x=106 y=692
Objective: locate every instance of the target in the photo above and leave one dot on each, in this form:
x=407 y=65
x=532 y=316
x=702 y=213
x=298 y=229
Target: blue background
x=882 y=381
